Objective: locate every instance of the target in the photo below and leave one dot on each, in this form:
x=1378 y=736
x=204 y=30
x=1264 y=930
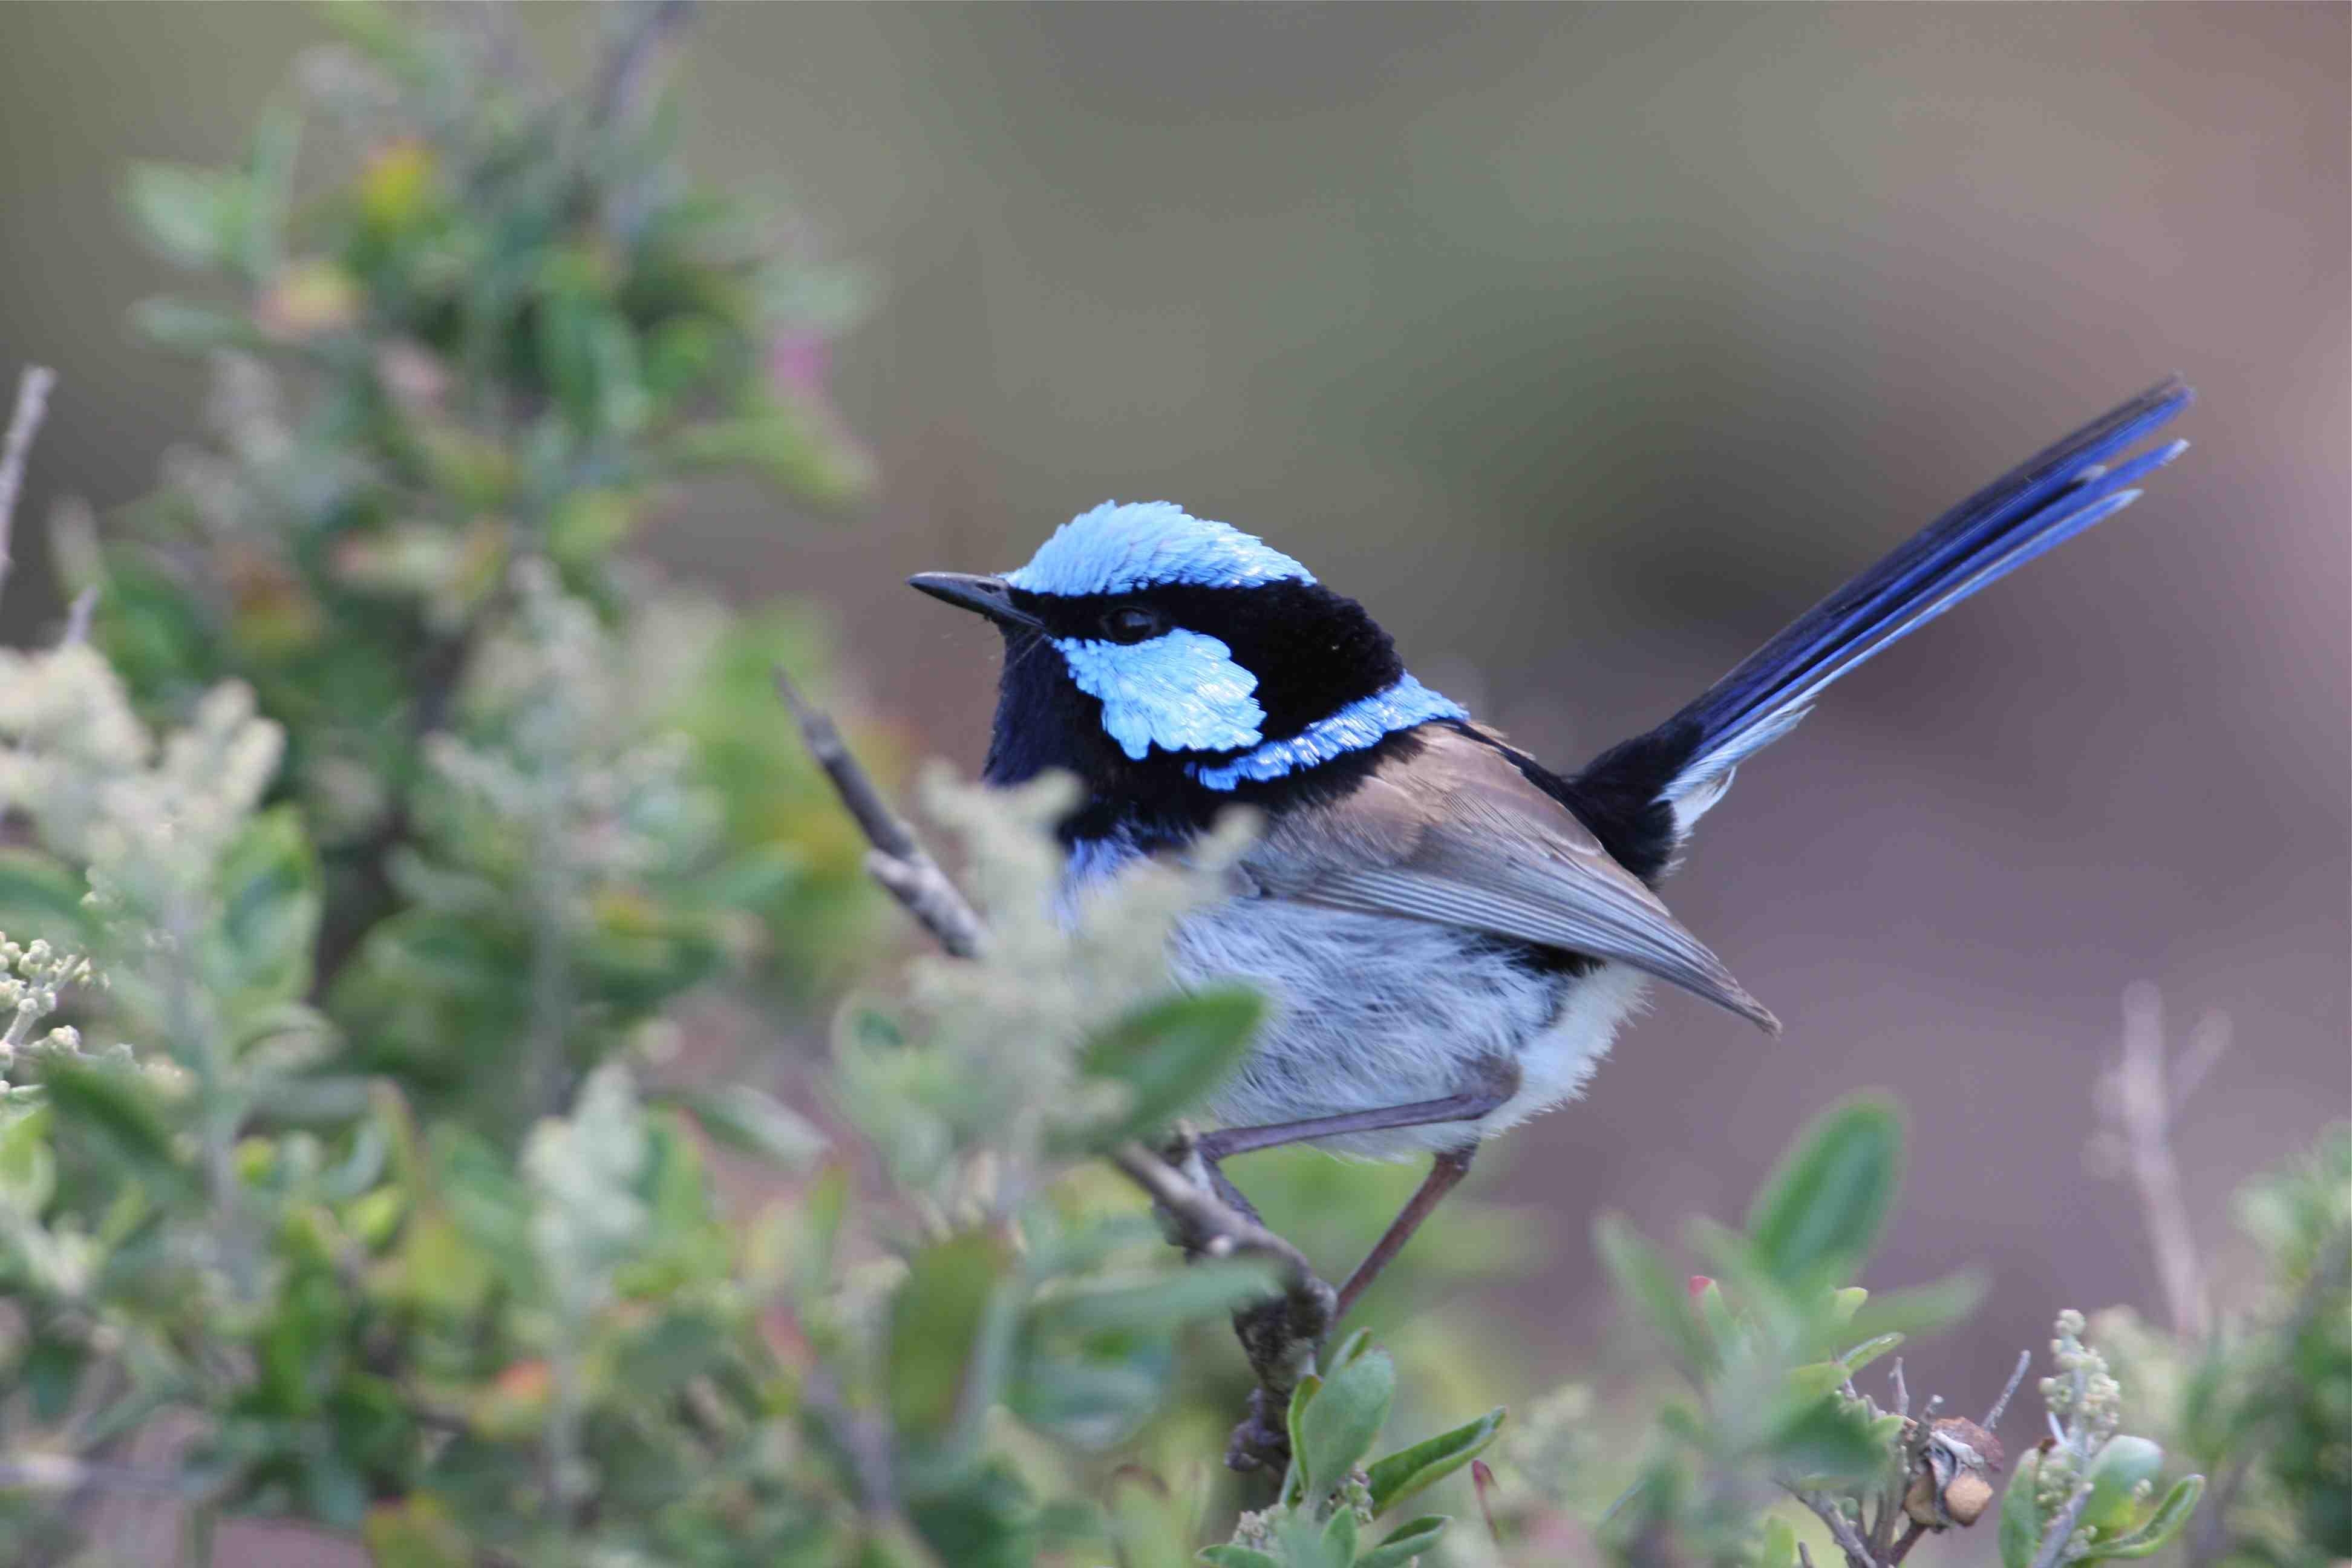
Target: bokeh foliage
x=394 y=829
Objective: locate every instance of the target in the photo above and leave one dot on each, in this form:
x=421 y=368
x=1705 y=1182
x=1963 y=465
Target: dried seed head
x=1951 y=1470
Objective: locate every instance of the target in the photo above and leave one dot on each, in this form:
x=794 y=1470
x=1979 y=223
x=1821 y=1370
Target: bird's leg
x=1445 y=1172
x=1268 y=1330
x=1497 y=1079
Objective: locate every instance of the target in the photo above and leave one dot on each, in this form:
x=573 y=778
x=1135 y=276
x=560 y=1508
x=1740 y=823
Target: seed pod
x=1950 y=1474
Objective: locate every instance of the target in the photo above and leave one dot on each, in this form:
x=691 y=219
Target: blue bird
x=1452 y=932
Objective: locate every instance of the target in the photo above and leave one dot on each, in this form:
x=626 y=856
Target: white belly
x=1373 y=1011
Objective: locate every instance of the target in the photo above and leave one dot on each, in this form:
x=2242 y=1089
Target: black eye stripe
x=1312 y=651
x=1132 y=624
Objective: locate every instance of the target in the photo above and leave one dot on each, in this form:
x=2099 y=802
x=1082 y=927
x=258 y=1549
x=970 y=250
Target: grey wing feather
x=1456 y=836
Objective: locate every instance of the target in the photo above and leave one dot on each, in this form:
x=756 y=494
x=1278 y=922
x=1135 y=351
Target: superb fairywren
x=1450 y=933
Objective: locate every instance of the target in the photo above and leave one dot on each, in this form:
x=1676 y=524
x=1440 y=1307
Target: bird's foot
x=1262 y=1440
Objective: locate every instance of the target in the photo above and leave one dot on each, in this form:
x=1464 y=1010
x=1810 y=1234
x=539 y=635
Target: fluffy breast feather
x=1374 y=1011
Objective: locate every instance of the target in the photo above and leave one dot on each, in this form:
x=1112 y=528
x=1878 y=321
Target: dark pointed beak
x=991 y=596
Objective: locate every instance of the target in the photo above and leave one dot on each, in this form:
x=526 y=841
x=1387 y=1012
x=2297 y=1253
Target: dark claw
x=1260 y=1442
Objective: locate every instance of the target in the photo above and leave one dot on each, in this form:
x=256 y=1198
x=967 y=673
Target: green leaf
x=1921 y=1310
x=270 y=900
x=1651 y=1291
x=1149 y=1527
x=1813 y=1380
x=40 y=898
x=824 y=1205
x=28 y=1171
x=755 y=1121
x=1171 y=1054
x=195 y=217
x=1340 y=1427
x=2170 y=1518
x=1779 y=1547
x=1822 y=1209
x=415 y=1532
x=2120 y=1466
x=1093 y=1390
x=186 y=327
x=1869 y=1351
x=1827 y=1439
x=332 y=1490
x=1293 y=1482
x=118 y=1108
x=1411 y=1470
x=2020 y=1514
x=1239 y=1557
x=937 y=1318
x=1405 y=1542
x=1170 y=1300
x=1339 y=1534
x=52 y=1370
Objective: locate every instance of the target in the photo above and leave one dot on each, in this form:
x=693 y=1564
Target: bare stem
x=32 y=404
x=2138 y=1104
x=1842 y=1530
x=78 y=616
x=897 y=861
x=1992 y=1417
x=622 y=79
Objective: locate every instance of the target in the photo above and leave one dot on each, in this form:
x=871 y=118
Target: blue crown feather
x=1139 y=544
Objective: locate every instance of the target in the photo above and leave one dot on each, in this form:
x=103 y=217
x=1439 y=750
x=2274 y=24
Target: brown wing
x=1456 y=836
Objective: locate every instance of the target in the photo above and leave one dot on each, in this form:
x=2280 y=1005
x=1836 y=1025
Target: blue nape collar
x=1364 y=722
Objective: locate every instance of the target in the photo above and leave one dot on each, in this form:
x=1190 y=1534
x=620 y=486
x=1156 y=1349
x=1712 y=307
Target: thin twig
x=897 y=860
x=1856 y=1550
x=1206 y=1226
x=2138 y=1103
x=2209 y=1042
x=1912 y=1534
x=1902 y=1392
x=1992 y=1417
x=78 y=616
x=32 y=404
x=620 y=84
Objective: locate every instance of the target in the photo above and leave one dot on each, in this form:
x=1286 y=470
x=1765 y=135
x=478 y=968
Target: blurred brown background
x=1586 y=345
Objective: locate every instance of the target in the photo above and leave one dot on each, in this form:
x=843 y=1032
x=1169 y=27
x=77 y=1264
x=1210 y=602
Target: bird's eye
x=1130 y=624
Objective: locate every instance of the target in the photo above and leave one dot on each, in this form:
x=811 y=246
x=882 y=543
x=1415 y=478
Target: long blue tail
x=1687 y=762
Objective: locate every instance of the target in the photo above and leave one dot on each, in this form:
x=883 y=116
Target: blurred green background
x=1586 y=345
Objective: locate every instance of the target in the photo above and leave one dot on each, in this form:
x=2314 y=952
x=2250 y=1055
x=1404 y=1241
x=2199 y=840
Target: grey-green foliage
x=386 y=1323
x=1771 y=1344
x=2264 y=1404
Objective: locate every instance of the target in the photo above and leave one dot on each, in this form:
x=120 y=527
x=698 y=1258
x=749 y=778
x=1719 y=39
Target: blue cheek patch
x=1180 y=691
x=1364 y=722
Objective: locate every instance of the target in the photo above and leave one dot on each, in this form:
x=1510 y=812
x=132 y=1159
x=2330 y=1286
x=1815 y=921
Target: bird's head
x=1164 y=657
